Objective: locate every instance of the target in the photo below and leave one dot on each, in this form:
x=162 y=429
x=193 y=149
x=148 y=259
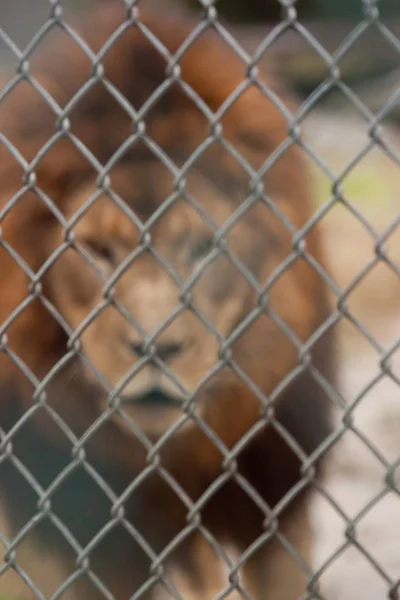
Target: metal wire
x=370 y=19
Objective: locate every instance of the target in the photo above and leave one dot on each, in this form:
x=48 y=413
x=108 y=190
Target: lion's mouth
x=154 y=398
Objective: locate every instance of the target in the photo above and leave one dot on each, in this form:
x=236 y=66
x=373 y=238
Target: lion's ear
x=61 y=172
x=39 y=162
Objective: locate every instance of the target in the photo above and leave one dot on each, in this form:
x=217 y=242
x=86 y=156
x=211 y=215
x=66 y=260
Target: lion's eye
x=201 y=248
x=100 y=251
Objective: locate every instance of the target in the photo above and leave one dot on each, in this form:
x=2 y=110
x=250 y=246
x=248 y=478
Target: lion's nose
x=166 y=351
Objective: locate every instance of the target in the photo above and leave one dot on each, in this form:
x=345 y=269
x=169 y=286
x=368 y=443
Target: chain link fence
x=59 y=100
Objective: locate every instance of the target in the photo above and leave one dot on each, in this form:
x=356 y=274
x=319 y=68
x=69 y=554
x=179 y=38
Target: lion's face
x=152 y=309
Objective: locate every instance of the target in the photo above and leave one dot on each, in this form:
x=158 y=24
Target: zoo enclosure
x=375 y=119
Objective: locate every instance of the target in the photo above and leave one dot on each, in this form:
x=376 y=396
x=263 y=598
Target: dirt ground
x=364 y=536
x=358 y=540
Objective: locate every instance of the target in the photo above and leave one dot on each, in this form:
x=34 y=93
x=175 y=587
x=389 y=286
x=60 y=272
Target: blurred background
x=343 y=63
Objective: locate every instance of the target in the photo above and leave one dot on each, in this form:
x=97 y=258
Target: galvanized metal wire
x=369 y=18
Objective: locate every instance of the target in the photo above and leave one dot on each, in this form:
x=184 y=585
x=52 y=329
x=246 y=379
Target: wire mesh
x=370 y=18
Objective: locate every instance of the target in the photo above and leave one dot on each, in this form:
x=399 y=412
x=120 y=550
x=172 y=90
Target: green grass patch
x=364 y=186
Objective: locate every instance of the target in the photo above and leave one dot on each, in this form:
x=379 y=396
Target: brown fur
x=70 y=289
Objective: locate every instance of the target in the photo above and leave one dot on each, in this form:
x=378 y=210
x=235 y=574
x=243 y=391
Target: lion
x=162 y=317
